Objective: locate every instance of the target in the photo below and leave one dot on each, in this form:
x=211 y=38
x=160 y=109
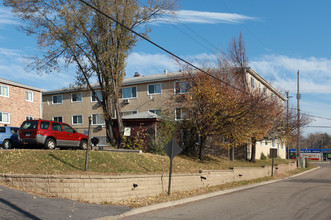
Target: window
x=252 y=82
x=76 y=97
x=57 y=118
x=129 y=113
x=129 y=92
x=77 y=119
x=179 y=114
x=5 y=117
x=2 y=129
x=99 y=95
x=29 y=96
x=181 y=87
x=156 y=111
x=265 y=91
x=29 y=117
x=44 y=125
x=4 y=91
x=272 y=97
x=56 y=127
x=97 y=119
x=260 y=89
x=57 y=99
x=67 y=128
x=154 y=89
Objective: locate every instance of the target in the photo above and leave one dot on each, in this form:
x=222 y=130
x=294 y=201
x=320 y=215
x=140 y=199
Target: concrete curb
x=195 y=198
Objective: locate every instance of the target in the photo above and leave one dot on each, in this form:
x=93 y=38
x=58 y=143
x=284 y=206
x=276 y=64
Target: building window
x=4 y=117
x=4 y=91
x=99 y=95
x=29 y=117
x=97 y=119
x=252 y=82
x=129 y=92
x=57 y=99
x=156 y=111
x=181 y=87
x=129 y=113
x=179 y=114
x=154 y=89
x=76 y=97
x=77 y=119
x=265 y=92
x=260 y=89
x=29 y=96
x=57 y=118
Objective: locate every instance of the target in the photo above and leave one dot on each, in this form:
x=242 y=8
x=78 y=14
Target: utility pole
x=298 y=121
x=287 y=131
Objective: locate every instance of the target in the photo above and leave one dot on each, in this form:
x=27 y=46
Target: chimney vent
x=166 y=71
x=136 y=74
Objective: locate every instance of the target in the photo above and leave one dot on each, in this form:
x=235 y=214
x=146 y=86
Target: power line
x=160 y=47
x=245 y=26
x=174 y=18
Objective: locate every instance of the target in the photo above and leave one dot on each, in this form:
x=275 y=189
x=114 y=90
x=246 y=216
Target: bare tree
x=72 y=31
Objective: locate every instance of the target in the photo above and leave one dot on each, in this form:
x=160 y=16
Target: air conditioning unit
x=126 y=101
x=99 y=127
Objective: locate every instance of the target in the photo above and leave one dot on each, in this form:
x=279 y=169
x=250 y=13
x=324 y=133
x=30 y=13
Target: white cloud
x=282 y=70
x=6 y=17
x=13 y=67
x=203 y=17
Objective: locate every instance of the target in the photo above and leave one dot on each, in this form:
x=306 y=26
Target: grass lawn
x=115 y=163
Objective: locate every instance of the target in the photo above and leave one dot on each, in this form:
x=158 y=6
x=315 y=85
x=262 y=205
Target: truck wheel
x=50 y=144
x=83 y=144
x=6 y=144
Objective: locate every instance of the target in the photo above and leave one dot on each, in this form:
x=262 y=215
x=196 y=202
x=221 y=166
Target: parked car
x=8 y=137
x=50 y=134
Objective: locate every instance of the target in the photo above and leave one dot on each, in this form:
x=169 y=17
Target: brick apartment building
x=18 y=102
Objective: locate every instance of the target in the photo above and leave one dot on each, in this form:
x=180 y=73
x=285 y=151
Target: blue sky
x=281 y=38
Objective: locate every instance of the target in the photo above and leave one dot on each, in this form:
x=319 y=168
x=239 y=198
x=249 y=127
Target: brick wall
x=104 y=188
x=18 y=107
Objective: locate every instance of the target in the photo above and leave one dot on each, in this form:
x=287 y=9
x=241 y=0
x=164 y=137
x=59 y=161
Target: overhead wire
x=160 y=47
x=174 y=55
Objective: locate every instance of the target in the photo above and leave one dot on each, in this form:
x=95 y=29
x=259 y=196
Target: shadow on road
x=18 y=209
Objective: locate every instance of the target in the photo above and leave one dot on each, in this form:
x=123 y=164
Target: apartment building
x=143 y=97
x=18 y=102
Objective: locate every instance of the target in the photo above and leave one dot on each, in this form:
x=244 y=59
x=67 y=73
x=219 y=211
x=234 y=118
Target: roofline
x=12 y=83
x=161 y=77
x=265 y=82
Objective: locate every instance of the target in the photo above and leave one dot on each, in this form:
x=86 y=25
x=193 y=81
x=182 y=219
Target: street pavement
x=306 y=196
x=20 y=205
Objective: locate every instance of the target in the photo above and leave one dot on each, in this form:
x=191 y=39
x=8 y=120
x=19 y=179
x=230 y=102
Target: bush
x=166 y=131
x=263 y=157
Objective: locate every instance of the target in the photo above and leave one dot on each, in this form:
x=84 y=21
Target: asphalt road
x=307 y=196
x=16 y=205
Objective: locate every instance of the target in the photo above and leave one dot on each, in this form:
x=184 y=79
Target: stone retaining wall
x=107 y=188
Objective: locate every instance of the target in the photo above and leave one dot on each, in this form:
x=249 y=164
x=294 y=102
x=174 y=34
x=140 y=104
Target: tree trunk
x=202 y=149
x=119 y=124
x=253 y=142
x=109 y=132
x=232 y=152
